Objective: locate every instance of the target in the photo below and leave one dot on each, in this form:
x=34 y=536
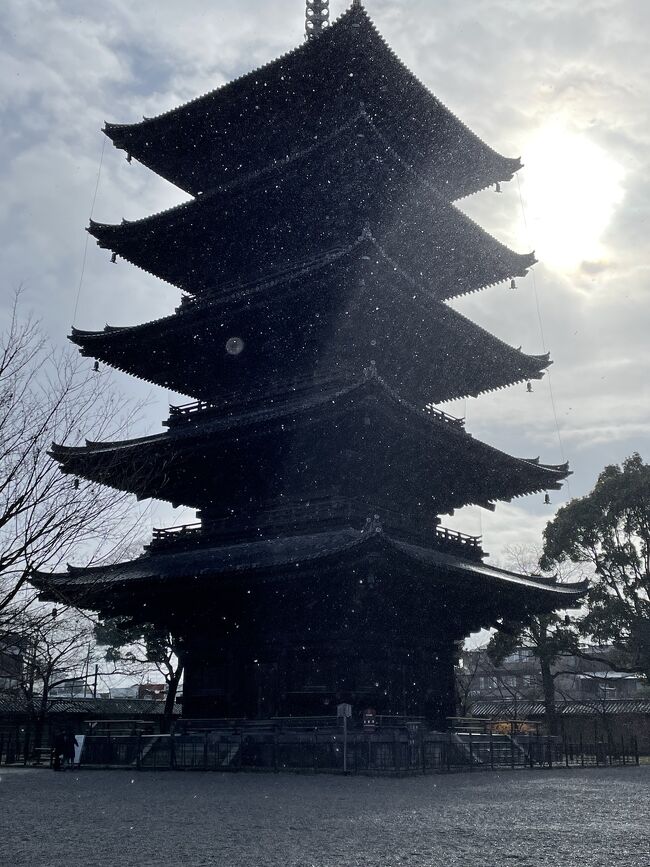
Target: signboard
x=344 y=710
x=79 y=748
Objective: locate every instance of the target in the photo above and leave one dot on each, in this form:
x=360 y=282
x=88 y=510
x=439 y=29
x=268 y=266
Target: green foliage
x=143 y=643
x=609 y=529
x=548 y=636
x=505 y=642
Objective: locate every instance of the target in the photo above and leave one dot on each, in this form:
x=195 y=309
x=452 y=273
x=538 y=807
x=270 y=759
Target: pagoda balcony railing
x=187 y=413
x=190 y=412
x=313 y=516
x=444 y=416
x=170 y=537
x=458 y=540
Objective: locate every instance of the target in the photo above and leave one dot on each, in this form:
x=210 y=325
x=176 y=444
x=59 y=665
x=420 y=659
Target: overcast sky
x=565 y=84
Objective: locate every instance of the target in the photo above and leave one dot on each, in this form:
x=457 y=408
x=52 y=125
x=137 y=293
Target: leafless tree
x=51 y=395
x=58 y=647
x=467 y=679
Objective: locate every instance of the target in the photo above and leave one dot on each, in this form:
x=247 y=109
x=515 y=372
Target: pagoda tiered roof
x=274 y=221
x=477 y=594
x=273 y=112
x=336 y=315
x=342 y=439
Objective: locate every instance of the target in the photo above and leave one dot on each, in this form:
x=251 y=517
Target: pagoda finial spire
x=316 y=17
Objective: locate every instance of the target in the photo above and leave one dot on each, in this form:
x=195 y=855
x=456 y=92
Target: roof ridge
x=301 y=48
x=353 y=14
x=430 y=93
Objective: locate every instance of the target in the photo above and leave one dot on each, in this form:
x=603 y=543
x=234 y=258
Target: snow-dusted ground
x=527 y=818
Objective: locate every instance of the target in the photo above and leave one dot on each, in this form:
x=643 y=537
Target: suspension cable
x=542 y=336
x=85 y=253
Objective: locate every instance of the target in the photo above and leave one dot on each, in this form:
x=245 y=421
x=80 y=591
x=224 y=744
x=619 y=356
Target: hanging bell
x=497 y=187
x=114 y=258
x=547 y=500
x=529 y=387
x=96 y=367
x=513 y=284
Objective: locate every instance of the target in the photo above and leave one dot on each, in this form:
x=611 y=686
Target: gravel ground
x=526 y=818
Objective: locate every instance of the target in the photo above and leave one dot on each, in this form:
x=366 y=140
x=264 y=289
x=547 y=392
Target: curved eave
x=137 y=137
x=93 y=344
x=519 y=266
x=132 y=348
x=269 y=559
x=423 y=241
x=143 y=466
x=256 y=416
x=296 y=406
x=568 y=591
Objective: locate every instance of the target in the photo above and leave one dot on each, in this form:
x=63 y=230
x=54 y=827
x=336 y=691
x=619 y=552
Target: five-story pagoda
x=315 y=257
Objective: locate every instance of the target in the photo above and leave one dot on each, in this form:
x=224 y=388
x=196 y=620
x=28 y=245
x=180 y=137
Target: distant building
x=589 y=721
x=74 y=687
x=149 y=691
x=153 y=691
x=82 y=715
x=518 y=678
x=130 y=691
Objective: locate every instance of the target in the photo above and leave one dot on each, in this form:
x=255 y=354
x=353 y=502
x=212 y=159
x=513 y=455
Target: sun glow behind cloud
x=571 y=189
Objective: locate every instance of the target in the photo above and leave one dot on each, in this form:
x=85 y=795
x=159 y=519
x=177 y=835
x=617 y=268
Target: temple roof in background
x=532 y=709
x=13 y=705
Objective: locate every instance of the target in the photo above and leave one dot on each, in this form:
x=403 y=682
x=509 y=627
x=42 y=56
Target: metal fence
x=359 y=753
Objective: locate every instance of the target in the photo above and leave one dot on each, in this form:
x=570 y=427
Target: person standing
x=70 y=742
x=58 y=750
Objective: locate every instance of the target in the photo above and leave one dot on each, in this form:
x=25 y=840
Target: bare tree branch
x=46 y=517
